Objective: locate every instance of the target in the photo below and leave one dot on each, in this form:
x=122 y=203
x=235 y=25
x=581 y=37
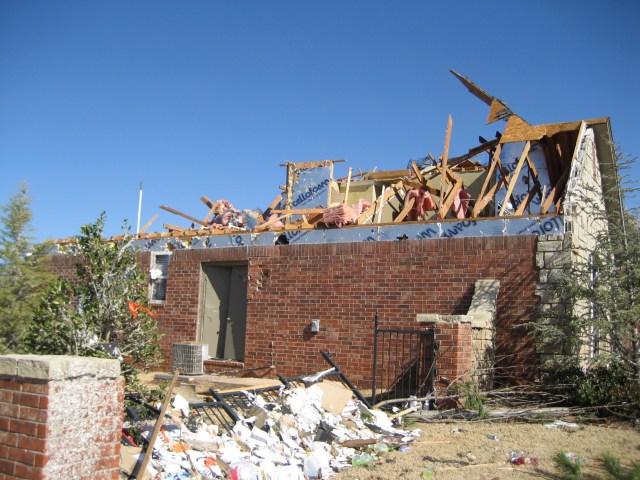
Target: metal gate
x=403 y=363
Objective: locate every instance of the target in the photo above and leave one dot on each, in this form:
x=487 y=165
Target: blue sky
x=210 y=97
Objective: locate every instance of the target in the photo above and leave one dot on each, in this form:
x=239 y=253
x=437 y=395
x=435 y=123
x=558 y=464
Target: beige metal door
x=223 y=324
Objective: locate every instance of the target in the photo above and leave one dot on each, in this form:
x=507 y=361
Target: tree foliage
x=90 y=315
x=23 y=276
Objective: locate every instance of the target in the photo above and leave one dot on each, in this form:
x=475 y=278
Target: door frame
x=204 y=284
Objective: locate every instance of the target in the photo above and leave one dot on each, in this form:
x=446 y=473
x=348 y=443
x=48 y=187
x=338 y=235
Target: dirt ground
x=467 y=450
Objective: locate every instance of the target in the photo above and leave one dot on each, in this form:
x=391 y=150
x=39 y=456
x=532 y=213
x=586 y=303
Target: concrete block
x=8 y=365
x=436 y=318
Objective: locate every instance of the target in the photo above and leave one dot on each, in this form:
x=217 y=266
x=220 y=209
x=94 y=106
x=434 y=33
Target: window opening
x=159 y=272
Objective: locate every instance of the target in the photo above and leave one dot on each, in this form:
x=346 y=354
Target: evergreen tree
x=597 y=296
x=595 y=318
x=23 y=277
x=99 y=312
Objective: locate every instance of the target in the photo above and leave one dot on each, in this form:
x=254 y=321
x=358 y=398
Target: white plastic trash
x=311 y=467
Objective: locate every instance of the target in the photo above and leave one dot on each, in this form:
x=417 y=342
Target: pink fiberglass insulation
x=461 y=203
x=423 y=203
x=341 y=215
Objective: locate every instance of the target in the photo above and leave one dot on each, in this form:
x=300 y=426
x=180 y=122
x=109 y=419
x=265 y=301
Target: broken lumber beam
x=271 y=221
x=514 y=176
x=156 y=430
x=482 y=200
x=346 y=191
x=148 y=224
x=389 y=174
x=206 y=201
x=445 y=157
x=173 y=228
x=445 y=205
x=405 y=211
x=188 y=217
x=417 y=172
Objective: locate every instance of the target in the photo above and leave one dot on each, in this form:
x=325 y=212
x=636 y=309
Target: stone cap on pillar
x=57 y=367
x=483 y=303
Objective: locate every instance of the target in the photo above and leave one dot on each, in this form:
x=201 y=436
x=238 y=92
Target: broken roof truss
x=522 y=173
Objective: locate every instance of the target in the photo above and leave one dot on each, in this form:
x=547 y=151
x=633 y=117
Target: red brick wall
x=60 y=417
x=344 y=285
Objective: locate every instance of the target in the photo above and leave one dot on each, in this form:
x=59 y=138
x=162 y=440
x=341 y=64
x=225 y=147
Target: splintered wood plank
x=477 y=207
x=409 y=184
x=514 y=177
x=387 y=174
x=445 y=157
x=206 y=201
x=399 y=191
x=188 y=217
x=211 y=211
x=270 y=222
x=142 y=467
x=504 y=178
x=555 y=192
x=481 y=204
x=446 y=206
x=527 y=200
x=450 y=174
x=148 y=224
x=168 y=226
x=417 y=172
x=405 y=211
x=346 y=190
x=473 y=152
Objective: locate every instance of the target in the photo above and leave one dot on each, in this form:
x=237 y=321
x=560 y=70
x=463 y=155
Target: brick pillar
x=60 y=417
x=454 y=357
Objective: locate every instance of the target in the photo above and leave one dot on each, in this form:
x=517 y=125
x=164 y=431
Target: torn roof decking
x=494 y=172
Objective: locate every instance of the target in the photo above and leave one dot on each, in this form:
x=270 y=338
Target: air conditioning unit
x=189 y=357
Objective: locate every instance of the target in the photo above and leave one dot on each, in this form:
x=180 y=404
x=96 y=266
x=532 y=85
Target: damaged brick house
x=460 y=247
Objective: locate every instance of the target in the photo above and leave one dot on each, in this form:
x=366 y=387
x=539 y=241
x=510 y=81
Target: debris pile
x=285 y=432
